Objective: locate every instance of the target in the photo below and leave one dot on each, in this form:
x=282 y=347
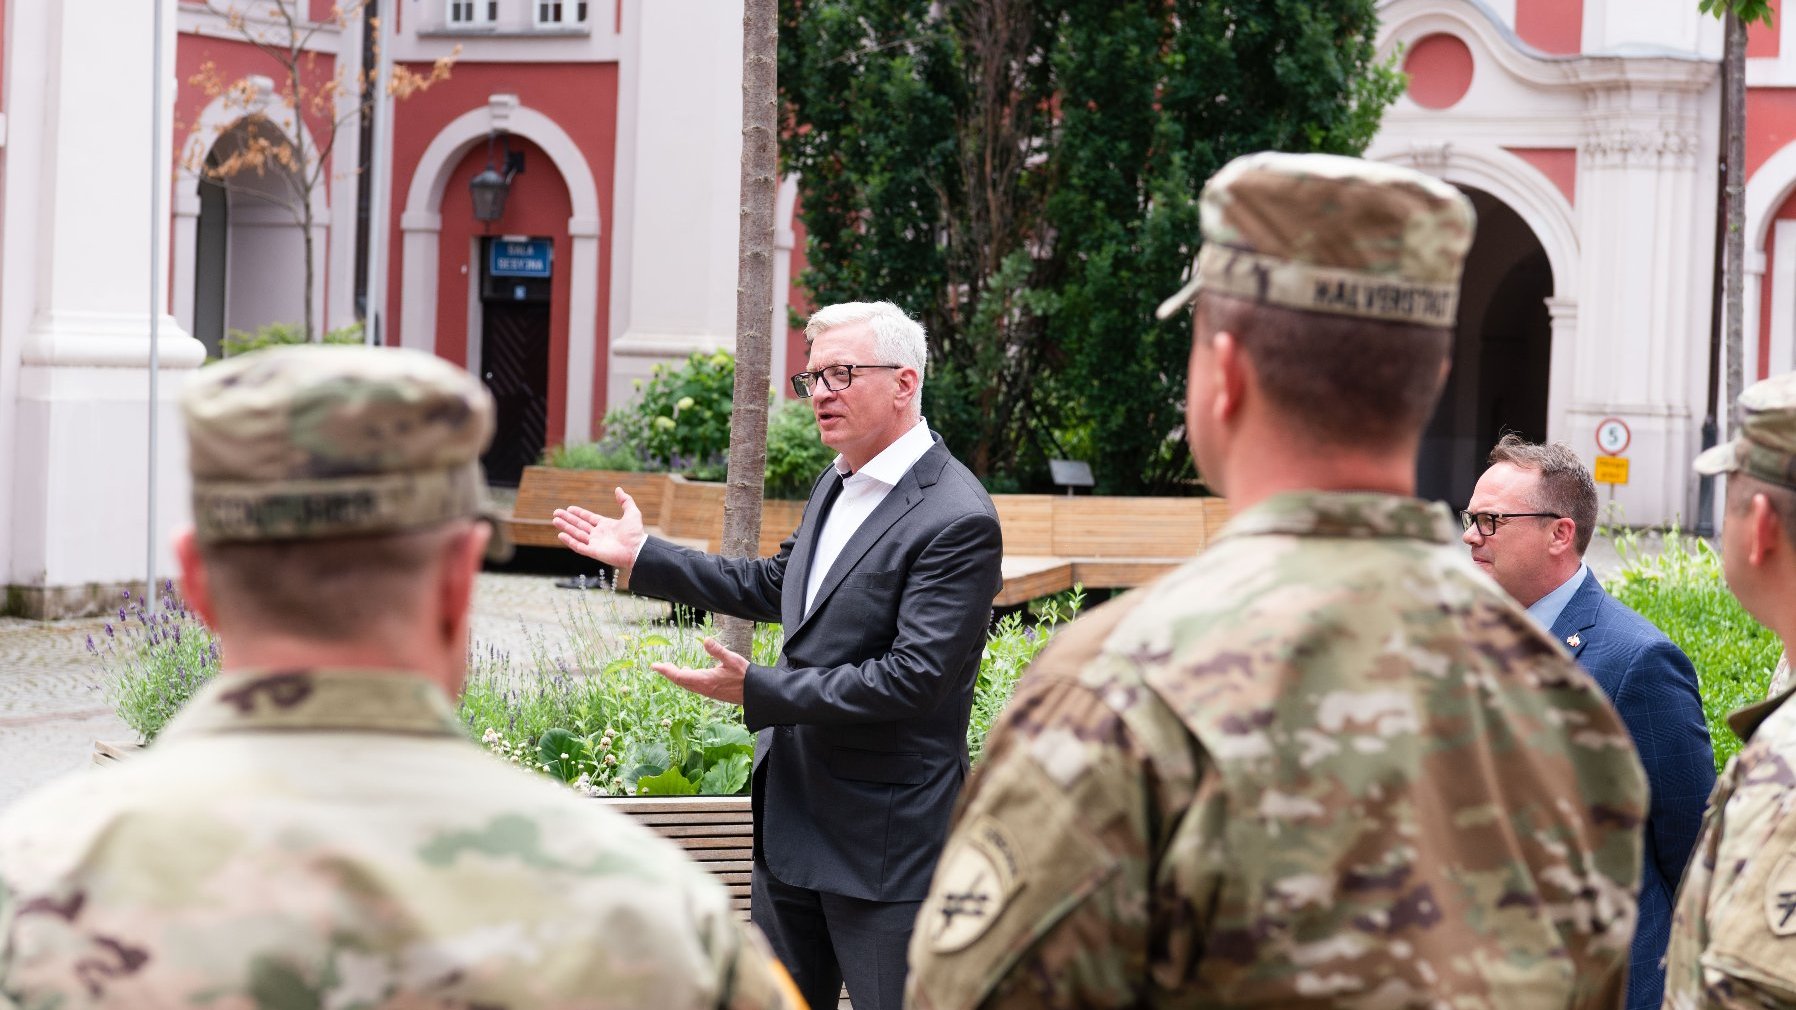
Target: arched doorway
x=1502 y=357
x=249 y=251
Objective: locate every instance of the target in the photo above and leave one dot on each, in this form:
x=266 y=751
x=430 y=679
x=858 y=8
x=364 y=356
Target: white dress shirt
x=862 y=491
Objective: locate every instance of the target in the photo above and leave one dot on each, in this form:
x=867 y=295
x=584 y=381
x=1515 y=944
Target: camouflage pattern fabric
x=307 y=441
x=1335 y=235
x=1733 y=936
x=1780 y=677
x=331 y=839
x=1766 y=445
x=1327 y=763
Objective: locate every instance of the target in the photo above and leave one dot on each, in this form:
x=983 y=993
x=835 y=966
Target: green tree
x=1023 y=174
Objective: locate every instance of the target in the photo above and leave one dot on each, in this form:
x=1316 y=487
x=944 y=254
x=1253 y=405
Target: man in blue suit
x=1529 y=523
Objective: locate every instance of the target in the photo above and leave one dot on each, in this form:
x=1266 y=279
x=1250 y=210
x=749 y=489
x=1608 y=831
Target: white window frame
x=482 y=12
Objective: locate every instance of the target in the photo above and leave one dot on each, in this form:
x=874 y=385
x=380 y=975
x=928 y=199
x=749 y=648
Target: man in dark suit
x=885 y=594
x=1529 y=523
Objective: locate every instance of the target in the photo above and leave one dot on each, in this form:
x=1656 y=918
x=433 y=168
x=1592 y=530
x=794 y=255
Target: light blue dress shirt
x=1547 y=609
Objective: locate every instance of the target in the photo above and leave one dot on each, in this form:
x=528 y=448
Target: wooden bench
x=543 y=489
x=1051 y=543
x=716 y=831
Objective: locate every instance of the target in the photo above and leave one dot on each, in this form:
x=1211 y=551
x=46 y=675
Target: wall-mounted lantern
x=488 y=187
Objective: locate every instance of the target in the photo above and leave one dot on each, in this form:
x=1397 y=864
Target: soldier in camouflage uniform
x=1733 y=936
x=315 y=829
x=1327 y=763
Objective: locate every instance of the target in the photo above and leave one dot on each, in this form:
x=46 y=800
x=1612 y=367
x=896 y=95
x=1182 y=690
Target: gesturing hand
x=722 y=682
x=612 y=541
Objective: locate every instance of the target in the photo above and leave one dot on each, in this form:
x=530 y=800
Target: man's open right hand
x=612 y=541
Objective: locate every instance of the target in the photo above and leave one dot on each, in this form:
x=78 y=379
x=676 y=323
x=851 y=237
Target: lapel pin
x=1574 y=641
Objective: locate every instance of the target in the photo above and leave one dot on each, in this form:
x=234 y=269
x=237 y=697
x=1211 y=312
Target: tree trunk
x=1734 y=88
x=312 y=334
x=754 y=298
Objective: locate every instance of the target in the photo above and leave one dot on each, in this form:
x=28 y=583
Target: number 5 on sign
x=1611 y=470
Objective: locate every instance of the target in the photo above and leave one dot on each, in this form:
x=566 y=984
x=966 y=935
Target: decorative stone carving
x=1432 y=158
x=1625 y=145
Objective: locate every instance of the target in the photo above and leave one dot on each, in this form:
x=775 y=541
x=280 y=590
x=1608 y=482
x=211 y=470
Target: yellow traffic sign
x=1611 y=470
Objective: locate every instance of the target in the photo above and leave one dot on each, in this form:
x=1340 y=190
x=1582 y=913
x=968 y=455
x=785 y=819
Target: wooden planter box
x=688 y=512
x=716 y=831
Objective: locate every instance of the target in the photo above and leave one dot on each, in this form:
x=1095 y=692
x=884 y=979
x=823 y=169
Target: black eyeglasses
x=1487 y=522
x=835 y=378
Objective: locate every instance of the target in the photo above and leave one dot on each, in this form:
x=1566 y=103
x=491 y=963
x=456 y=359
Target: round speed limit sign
x=1613 y=436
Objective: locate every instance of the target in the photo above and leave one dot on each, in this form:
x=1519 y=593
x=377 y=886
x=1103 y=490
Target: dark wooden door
x=514 y=361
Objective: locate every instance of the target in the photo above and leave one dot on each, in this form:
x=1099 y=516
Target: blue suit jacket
x=1653 y=687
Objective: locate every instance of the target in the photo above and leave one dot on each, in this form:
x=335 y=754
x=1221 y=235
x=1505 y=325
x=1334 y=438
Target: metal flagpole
x=155 y=290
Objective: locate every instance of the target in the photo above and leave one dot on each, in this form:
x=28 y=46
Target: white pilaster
x=1783 y=306
x=1646 y=171
x=183 y=250
x=419 y=232
x=75 y=327
x=685 y=88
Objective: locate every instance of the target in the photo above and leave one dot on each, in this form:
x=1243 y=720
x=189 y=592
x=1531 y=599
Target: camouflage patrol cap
x=299 y=443
x=1765 y=446
x=1324 y=233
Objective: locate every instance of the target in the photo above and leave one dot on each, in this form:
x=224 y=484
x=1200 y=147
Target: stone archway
x=1502 y=358
x=421 y=226
x=248 y=249
x=221 y=120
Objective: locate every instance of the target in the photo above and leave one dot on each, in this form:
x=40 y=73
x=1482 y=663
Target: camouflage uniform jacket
x=334 y=840
x=1326 y=763
x=1733 y=936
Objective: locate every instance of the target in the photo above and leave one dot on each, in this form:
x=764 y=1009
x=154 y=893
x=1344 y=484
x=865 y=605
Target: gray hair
x=1565 y=483
x=897 y=338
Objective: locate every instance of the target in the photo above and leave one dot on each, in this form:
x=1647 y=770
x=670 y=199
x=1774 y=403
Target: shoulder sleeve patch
x=1780 y=897
x=977 y=879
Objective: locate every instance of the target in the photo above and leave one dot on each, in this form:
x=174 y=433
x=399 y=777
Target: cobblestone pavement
x=53 y=703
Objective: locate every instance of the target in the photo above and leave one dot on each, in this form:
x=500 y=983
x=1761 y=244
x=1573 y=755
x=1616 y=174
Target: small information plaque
x=1611 y=470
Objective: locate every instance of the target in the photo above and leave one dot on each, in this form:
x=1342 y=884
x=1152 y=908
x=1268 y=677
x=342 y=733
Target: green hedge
x=1682 y=591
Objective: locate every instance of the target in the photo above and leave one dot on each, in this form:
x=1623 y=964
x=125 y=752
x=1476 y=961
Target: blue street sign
x=530 y=258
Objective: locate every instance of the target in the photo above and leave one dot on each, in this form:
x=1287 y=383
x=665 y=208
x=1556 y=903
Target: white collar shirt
x=862 y=491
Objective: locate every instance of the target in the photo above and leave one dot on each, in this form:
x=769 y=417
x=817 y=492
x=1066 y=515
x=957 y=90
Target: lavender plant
x=155 y=657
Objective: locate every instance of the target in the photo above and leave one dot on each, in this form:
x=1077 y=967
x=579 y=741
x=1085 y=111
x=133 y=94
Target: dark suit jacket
x=1653 y=686
x=862 y=724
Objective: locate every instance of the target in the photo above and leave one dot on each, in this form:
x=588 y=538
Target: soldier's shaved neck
x=375 y=601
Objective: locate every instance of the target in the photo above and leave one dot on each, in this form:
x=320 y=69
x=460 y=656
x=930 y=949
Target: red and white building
x=1586 y=131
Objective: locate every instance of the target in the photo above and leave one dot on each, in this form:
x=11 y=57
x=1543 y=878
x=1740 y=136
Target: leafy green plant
x=599 y=718
x=276 y=334
x=155 y=658
x=1681 y=590
x=682 y=415
x=795 y=453
x=1009 y=650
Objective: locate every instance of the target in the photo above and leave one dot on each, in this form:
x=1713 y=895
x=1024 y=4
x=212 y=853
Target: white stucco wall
x=75 y=302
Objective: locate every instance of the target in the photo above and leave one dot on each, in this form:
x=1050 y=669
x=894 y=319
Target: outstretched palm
x=612 y=541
